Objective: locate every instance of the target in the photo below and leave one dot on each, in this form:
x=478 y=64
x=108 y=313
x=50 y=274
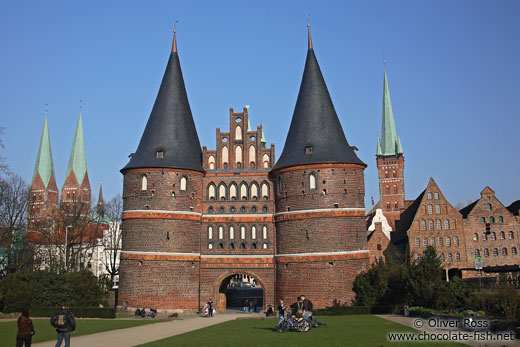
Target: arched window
x=264 y=246
x=210 y=209
x=438 y=209
x=211 y=191
x=436 y=196
x=231 y=233
x=312 y=181
x=280 y=185
x=238 y=156
x=432 y=242
x=243 y=191
x=265 y=160
x=233 y=191
x=387 y=189
x=265 y=191
x=418 y=257
x=488 y=207
x=513 y=251
x=254 y=191
x=504 y=251
x=222 y=192
x=441 y=243
x=429 y=196
x=484 y=237
x=493 y=236
x=446 y=224
x=211 y=162
x=425 y=242
x=483 y=219
x=243 y=232
x=475 y=237
x=423 y=225
x=430 y=209
x=144 y=183
x=456 y=241
x=220 y=232
x=253 y=232
x=264 y=232
x=439 y=224
x=450 y=257
x=388 y=205
x=210 y=233
x=431 y=225
x=225 y=157
x=495 y=252
x=394 y=174
x=457 y=256
x=477 y=251
x=417 y=242
x=395 y=188
x=184 y=184
x=395 y=204
x=442 y=257
x=500 y=219
x=252 y=155
x=511 y=235
x=491 y=219
x=386 y=173
x=486 y=252
x=238 y=133
x=502 y=235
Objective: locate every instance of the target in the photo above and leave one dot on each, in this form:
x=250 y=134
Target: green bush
x=422 y=312
x=28 y=290
x=79 y=312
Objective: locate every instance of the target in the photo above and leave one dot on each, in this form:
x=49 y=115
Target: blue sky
x=453 y=69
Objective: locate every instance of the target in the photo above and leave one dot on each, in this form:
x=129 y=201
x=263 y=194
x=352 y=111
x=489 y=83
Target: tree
x=508 y=299
x=112 y=238
x=426 y=283
x=13 y=215
x=4 y=168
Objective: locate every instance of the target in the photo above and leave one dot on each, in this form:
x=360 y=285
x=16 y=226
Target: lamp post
x=66 y=237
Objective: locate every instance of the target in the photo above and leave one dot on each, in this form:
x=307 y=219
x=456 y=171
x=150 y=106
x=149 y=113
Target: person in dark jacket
x=65 y=323
x=25 y=330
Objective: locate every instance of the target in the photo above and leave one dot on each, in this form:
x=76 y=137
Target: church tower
x=390 y=163
x=76 y=191
x=162 y=200
x=43 y=193
x=319 y=195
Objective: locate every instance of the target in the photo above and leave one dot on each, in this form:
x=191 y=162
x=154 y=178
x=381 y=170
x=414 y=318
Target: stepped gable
x=170 y=128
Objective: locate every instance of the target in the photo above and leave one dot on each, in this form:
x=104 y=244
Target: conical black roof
x=315 y=124
x=170 y=128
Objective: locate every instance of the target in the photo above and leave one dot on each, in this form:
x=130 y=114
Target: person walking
x=65 y=323
x=25 y=330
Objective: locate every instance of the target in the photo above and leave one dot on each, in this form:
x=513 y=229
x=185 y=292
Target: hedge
x=351 y=310
x=79 y=312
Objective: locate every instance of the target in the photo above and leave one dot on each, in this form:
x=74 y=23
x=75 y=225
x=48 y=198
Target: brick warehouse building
x=193 y=219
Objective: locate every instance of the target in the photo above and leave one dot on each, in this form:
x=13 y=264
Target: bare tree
x=112 y=238
x=4 y=168
x=14 y=196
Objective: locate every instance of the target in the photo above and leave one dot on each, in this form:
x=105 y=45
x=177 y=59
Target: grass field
x=45 y=332
x=340 y=331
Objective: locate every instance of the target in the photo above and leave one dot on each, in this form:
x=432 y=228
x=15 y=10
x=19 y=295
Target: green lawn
x=45 y=332
x=363 y=331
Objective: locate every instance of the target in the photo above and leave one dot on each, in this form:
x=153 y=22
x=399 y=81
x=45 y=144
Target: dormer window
x=308 y=150
x=160 y=153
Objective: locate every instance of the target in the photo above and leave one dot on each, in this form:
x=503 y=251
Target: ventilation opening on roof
x=160 y=154
x=308 y=150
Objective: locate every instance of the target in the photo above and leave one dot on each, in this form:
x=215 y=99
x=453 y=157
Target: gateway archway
x=239 y=291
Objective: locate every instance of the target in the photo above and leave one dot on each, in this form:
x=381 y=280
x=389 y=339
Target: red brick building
x=195 y=219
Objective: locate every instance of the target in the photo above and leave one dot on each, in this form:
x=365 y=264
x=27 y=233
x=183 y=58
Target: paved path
x=409 y=322
x=147 y=333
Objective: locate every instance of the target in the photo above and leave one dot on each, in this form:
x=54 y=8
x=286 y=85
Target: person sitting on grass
x=137 y=312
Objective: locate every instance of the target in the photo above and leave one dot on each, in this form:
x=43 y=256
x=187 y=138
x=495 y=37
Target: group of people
x=209 y=309
x=63 y=321
x=302 y=308
x=144 y=314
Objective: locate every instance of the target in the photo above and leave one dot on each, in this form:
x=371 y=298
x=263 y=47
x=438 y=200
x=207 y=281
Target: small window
x=511 y=235
x=456 y=241
x=280 y=185
x=242 y=245
x=488 y=207
x=430 y=209
x=493 y=236
x=484 y=237
x=477 y=252
x=436 y=196
x=442 y=257
x=210 y=233
x=483 y=219
x=457 y=256
x=210 y=246
x=433 y=241
x=312 y=181
x=475 y=237
x=491 y=219
x=232 y=245
x=446 y=224
x=160 y=154
x=502 y=235
x=417 y=243
x=264 y=246
x=495 y=252
x=221 y=245
x=504 y=251
x=394 y=174
x=423 y=225
x=501 y=219
x=184 y=184
x=308 y=150
x=425 y=242
x=254 y=209
x=395 y=204
x=438 y=209
x=378 y=246
x=253 y=246
x=264 y=209
x=429 y=196
x=253 y=232
x=211 y=209
x=441 y=243
x=231 y=233
x=513 y=251
x=243 y=232
x=388 y=205
x=486 y=252
x=448 y=241
x=232 y=209
x=220 y=232
x=450 y=257
x=264 y=232
x=439 y=224
x=418 y=257
x=144 y=183
x=431 y=225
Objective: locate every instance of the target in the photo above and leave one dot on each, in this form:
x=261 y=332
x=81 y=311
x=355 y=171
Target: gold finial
x=309 y=30
x=174 y=45
x=247 y=106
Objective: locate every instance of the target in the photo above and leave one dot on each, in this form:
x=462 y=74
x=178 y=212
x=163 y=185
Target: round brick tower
x=320 y=212
x=162 y=204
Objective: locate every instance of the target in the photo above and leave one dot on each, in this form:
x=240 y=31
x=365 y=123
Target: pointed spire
x=174 y=44
x=248 y=122
x=78 y=156
x=309 y=39
x=399 y=149
x=100 y=204
x=44 y=164
x=379 y=151
x=262 y=140
x=315 y=135
x=389 y=140
x=170 y=129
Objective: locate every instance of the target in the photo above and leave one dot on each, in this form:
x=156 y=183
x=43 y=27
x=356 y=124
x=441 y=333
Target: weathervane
x=384 y=59
x=308 y=20
x=175 y=25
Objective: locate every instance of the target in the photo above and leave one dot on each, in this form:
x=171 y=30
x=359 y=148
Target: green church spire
x=390 y=144
x=44 y=164
x=249 y=125
x=78 y=157
x=262 y=140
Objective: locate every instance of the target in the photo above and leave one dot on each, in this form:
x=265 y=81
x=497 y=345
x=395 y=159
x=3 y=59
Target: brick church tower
x=162 y=199
x=75 y=192
x=390 y=164
x=43 y=193
x=319 y=195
